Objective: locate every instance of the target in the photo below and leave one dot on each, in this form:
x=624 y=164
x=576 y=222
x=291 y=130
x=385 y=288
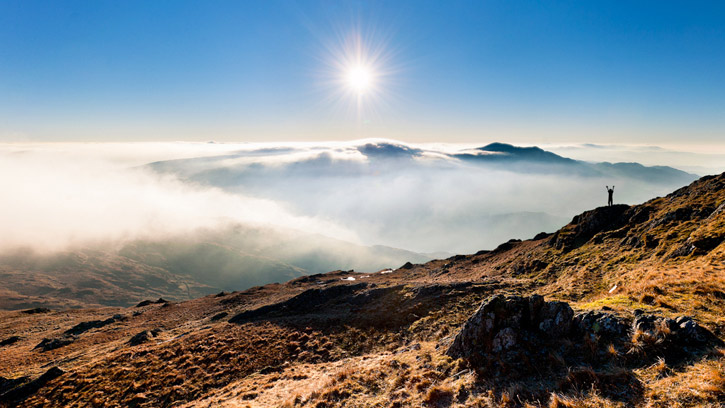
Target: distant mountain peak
x=387 y=150
x=531 y=153
x=507 y=148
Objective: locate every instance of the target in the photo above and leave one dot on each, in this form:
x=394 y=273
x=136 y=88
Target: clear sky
x=449 y=71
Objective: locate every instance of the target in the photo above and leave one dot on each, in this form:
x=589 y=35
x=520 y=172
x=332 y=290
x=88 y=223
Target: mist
x=423 y=198
x=109 y=223
x=56 y=198
x=426 y=198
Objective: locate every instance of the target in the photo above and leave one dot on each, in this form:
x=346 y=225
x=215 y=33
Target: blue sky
x=523 y=72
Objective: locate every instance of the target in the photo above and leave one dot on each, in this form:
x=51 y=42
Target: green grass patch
x=617 y=302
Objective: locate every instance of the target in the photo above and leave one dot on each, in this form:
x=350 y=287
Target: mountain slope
x=349 y=339
x=181 y=267
x=535 y=159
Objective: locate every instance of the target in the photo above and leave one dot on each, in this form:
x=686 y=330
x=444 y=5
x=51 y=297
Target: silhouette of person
x=610 y=202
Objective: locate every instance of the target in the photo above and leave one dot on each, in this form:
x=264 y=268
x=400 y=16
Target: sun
x=359 y=74
x=360 y=78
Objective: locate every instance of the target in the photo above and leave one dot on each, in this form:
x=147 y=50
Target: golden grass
x=700 y=385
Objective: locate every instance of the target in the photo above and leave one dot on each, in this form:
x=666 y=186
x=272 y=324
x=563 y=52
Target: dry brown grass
x=559 y=401
x=439 y=395
x=172 y=372
x=700 y=385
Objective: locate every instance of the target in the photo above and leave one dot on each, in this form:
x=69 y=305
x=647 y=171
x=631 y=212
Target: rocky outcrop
x=516 y=336
x=7 y=384
x=586 y=225
x=304 y=302
x=148 y=302
x=16 y=390
x=83 y=327
x=143 y=337
x=219 y=316
x=10 y=340
x=37 y=310
x=510 y=328
x=48 y=344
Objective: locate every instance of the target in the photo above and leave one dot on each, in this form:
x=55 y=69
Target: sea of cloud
x=60 y=196
x=416 y=197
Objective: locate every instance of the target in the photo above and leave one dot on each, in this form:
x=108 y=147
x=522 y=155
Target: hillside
x=180 y=267
x=535 y=159
x=632 y=314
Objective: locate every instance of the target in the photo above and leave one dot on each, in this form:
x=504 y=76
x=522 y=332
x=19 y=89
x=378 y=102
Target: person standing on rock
x=610 y=202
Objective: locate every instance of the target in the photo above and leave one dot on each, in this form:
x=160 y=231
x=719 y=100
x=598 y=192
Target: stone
x=504 y=340
x=219 y=316
x=10 y=340
x=27 y=389
x=36 y=310
x=83 y=327
x=140 y=338
x=518 y=337
x=48 y=344
x=606 y=326
x=556 y=318
x=506 y=324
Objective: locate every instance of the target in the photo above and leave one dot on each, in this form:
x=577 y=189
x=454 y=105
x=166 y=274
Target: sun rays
x=358 y=76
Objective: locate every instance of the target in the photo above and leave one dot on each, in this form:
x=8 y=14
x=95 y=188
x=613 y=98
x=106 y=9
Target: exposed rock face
x=584 y=226
x=37 y=310
x=7 y=384
x=599 y=325
x=48 y=344
x=219 y=316
x=10 y=340
x=675 y=339
x=542 y=235
x=518 y=336
x=143 y=337
x=148 y=302
x=305 y=301
x=83 y=327
x=15 y=390
x=140 y=338
x=509 y=328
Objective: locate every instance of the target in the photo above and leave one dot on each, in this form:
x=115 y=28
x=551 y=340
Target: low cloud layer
x=425 y=198
x=55 y=197
x=703 y=162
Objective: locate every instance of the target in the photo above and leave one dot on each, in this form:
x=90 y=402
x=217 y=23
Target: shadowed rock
x=7 y=384
x=83 y=327
x=140 y=338
x=37 y=310
x=586 y=225
x=20 y=392
x=48 y=344
x=149 y=302
x=306 y=301
x=10 y=340
x=513 y=338
x=510 y=325
x=219 y=316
